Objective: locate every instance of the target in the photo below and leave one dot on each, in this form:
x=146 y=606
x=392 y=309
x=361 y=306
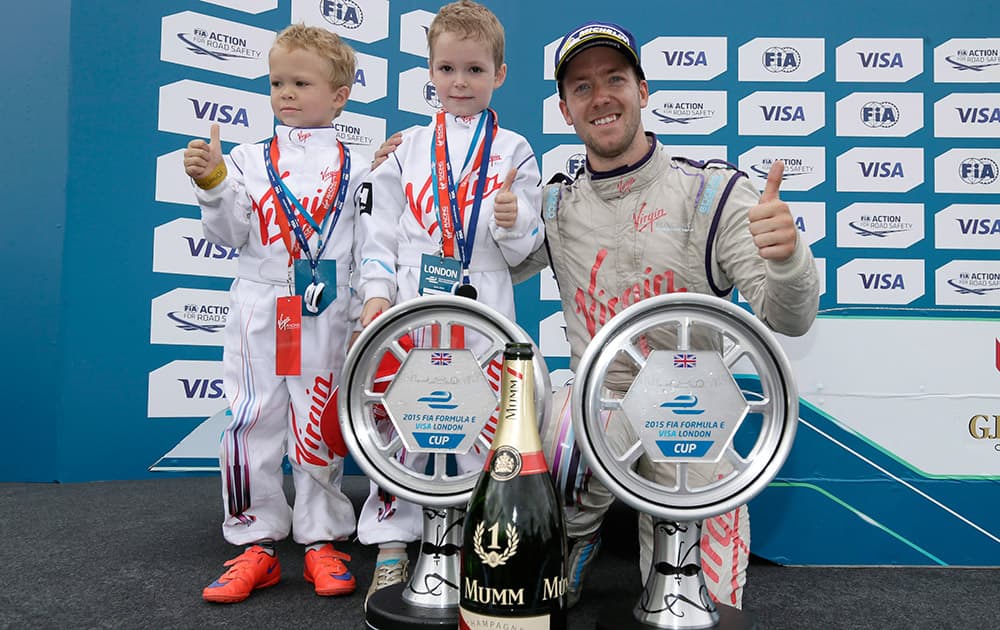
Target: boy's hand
x=372 y=309
x=771 y=221
x=202 y=160
x=505 y=204
x=387 y=147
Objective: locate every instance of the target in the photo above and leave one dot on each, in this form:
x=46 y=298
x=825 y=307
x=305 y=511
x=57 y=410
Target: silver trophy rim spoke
x=372 y=452
x=744 y=337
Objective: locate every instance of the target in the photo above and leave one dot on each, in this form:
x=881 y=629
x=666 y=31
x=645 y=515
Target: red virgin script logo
x=625 y=185
x=422 y=206
x=285 y=323
x=267 y=210
x=311 y=439
x=596 y=310
x=303 y=135
x=644 y=221
x=494 y=159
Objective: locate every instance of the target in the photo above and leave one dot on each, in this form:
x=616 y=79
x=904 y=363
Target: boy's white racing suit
x=662 y=225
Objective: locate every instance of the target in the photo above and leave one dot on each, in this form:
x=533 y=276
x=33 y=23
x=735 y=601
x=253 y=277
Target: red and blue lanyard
x=450 y=217
x=333 y=199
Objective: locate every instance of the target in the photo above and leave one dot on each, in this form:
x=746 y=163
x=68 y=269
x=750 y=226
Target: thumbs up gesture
x=203 y=161
x=771 y=223
x=505 y=204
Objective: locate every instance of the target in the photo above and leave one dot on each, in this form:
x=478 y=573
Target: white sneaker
x=387 y=573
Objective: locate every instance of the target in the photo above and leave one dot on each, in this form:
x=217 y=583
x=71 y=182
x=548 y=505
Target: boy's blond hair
x=468 y=19
x=327 y=45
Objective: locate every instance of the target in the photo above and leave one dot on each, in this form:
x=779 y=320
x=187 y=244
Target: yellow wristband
x=212 y=179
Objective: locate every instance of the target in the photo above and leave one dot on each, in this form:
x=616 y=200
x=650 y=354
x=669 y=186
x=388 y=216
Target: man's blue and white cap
x=596 y=34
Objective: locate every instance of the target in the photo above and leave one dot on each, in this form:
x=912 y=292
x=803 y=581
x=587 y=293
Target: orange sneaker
x=325 y=569
x=252 y=569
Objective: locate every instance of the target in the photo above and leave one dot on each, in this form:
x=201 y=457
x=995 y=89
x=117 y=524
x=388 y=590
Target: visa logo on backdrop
x=180 y=247
x=413 y=27
x=370 y=78
x=186 y=389
x=880 y=281
x=189 y=107
x=781 y=59
x=968 y=115
x=810 y=219
x=880 y=225
x=782 y=113
x=360 y=20
x=877 y=169
x=967 y=226
x=683 y=58
x=880 y=114
x=968 y=283
x=881 y=60
x=968 y=171
x=805 y=167
x=967 y=61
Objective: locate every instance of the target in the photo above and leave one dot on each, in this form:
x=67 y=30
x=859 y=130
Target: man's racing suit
x=660 y=226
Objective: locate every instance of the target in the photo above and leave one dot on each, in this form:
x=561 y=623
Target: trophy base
x=387 y=610
x=620 y=618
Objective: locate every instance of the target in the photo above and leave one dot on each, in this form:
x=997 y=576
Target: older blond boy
x=468 y=204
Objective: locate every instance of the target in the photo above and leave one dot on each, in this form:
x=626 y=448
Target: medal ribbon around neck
x=333 y=199
x=450 y=215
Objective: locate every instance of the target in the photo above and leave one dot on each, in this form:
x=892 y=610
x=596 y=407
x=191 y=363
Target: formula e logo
x=224 y=114
x=781 y=59
x=978 y=171
x=685 y=58
x=879 y=114
x=683 y=405
x=438 y=399
x=430 y=95
x=880 y=59
x=575 y=163
x=881 y=169
x=344 y=13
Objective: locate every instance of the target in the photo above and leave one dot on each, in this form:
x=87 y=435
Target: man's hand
x=771 y=221
x=201 y=158
x=387 y=147
x=505 y=204
x=372 y=309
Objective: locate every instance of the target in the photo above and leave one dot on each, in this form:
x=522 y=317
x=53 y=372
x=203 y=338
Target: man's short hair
x=468 y=19
x=325 y=44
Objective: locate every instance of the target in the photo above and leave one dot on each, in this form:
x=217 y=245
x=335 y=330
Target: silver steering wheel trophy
x=685 y=409
x=418 y=403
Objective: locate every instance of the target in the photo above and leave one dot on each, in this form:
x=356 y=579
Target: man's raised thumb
x=774 y=177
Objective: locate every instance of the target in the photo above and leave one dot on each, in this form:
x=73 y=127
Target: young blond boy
x=487 y=223
x=288 y=205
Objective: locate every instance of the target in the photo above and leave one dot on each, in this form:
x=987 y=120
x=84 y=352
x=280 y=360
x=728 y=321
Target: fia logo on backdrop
x=359 y=20
x=880 y=114
x=202 y=41
x=792 y=59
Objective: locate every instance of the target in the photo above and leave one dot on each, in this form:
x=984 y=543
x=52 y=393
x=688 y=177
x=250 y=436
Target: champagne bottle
x=513 y=540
